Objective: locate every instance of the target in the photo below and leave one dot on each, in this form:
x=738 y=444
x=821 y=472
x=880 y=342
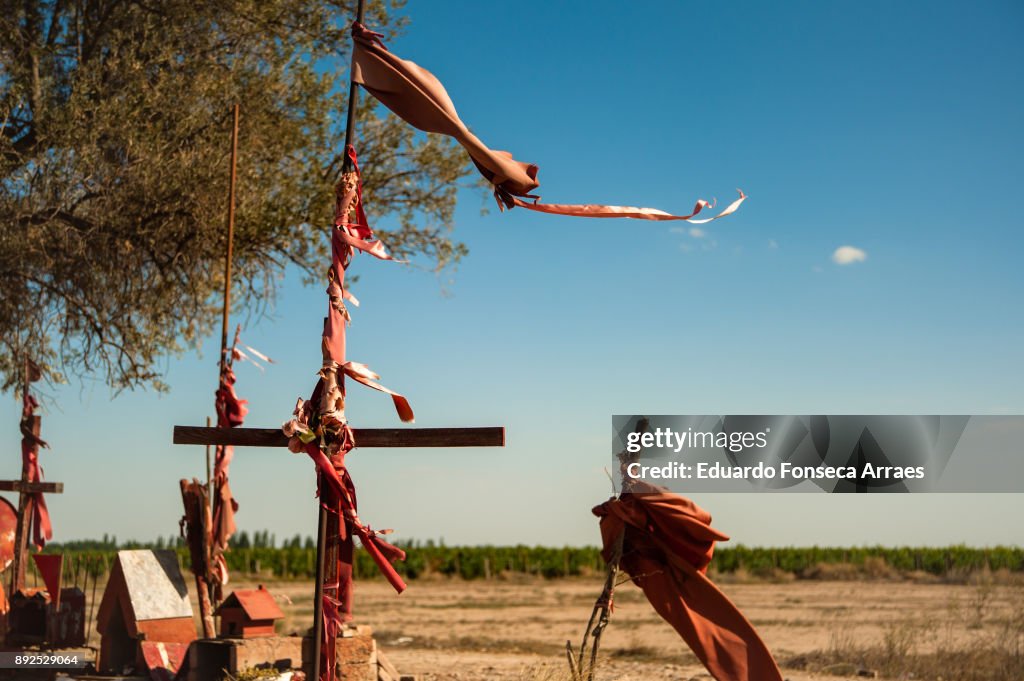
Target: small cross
x=26 y=500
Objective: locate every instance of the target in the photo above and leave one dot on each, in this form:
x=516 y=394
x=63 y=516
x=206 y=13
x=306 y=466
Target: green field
x=297 y=559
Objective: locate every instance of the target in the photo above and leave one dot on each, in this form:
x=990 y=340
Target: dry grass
x=514 y=630
x=935 y=649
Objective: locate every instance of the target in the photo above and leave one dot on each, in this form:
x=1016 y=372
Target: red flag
x=49 y=565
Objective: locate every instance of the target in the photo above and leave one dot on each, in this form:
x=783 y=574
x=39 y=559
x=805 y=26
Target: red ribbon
x=231 y=411
x=326 y=409
x=342 y=488
x=42 y=530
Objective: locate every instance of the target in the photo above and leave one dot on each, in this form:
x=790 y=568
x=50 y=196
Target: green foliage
x=115 y=123
x=297 y=558
x=933 y=560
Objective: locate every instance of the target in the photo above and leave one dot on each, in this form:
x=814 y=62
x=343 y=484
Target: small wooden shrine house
x=248 y=613
x=145 y=600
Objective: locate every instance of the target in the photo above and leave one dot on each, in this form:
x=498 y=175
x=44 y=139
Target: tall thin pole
x=321 y=544
x=231 y=239
x=318 y=590
x=206 y=590
x=353 y=99
x=209 y=475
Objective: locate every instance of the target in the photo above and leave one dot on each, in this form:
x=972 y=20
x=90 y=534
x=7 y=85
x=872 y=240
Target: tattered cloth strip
x=351 y=233
x=42 y=530
x=420 y=99
x=321 y=430
x=340 y=486
x=338 y=496
x=667 y=546
x=231 y=411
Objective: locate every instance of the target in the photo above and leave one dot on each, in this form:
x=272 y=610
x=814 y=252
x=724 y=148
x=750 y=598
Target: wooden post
x=26 y=502
x=197 y=518
x=209 y=474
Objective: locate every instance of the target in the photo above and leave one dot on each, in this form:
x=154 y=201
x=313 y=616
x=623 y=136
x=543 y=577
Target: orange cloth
x=231 y=411
x=668 y=544
x=419 y=98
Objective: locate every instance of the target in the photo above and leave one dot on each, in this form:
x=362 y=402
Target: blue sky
x=893 y=128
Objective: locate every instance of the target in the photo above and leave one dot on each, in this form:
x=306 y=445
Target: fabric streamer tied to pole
x=667 y=546
x=42 y=529
x=320 y=428
x=419 y=98
x=231 y=413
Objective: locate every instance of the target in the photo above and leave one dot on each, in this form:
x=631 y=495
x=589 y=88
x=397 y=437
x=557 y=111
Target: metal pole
x=321 y=543
x=231 y=238
x=209 y=510
x=318 y=592
x=206 y=590
x=353 y=97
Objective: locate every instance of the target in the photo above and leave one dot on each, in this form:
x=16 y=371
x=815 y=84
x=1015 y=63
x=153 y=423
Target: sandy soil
x=516 y=629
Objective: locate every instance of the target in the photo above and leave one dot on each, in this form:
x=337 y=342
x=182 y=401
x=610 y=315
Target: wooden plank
x=365 y=437
x=29 y=487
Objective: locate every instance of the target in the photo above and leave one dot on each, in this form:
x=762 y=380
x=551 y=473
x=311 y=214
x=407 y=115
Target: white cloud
x=847 y=255
x=695 y=232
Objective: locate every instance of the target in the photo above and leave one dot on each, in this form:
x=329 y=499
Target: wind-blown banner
x=668 y=542
x=419 y=98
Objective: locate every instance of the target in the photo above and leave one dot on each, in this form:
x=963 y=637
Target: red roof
x=258 y=604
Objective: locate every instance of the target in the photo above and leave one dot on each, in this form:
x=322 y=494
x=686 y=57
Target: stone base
x=356 y=656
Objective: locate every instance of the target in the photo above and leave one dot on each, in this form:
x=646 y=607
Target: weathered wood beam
x=365 y=437
x=31 y=487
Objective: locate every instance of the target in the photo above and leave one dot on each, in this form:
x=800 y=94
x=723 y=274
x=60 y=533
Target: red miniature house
x=248 y=613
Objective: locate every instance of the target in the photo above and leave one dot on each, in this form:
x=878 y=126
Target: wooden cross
x=330 y=523
x=330 y=544
x=26 y=502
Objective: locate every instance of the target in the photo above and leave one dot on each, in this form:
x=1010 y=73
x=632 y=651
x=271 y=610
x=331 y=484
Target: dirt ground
x=515 y=629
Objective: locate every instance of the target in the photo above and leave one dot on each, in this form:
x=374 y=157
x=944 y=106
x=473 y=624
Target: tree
x=113 y=171
x=241 y=540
